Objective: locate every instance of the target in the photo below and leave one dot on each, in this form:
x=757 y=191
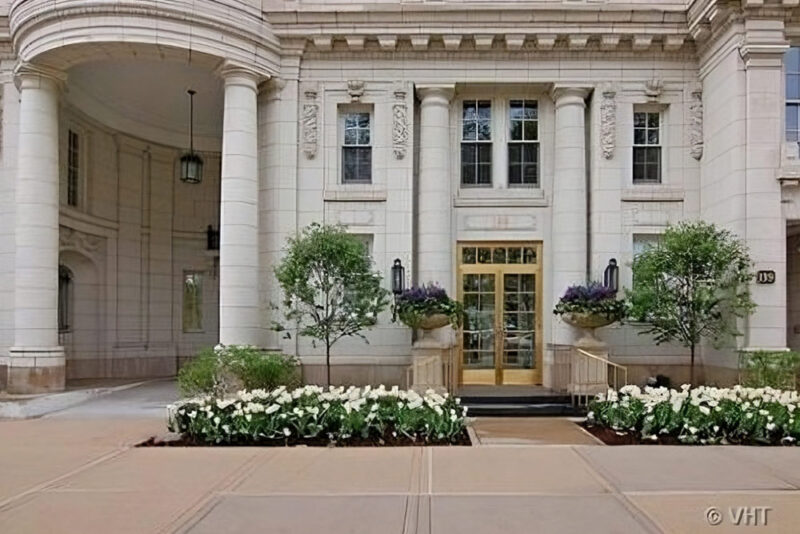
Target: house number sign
x=765 y=277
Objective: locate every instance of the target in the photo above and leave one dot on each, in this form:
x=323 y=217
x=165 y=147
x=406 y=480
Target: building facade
x=505 y=150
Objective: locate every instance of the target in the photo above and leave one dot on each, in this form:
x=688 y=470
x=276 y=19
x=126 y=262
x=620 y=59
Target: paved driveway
x=77 y=472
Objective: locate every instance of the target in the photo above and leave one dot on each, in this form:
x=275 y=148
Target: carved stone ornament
x=84 y=243
x=310 y=124
x=608 y=121
x=400 y=124
x=653 y=89
x=355 y=88
x=696 y=123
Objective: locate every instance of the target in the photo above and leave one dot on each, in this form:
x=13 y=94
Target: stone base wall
x=35 y=379
x=357 y=375
x=131 y=367
x=679 y=374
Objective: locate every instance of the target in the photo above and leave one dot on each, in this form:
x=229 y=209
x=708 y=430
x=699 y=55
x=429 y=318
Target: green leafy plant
x=221 y=370
x=769 y=369
x=330 y=288
x=692 y=285
x=593 y=298
x=416 y=303
x=334 y=414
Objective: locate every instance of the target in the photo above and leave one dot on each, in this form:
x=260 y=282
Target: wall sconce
x=611 y=275
x=398 y=283
x=212 y=238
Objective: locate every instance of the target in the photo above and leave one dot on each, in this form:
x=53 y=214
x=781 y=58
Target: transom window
x=646 y=147
x=792 y=61
x=498 y=255
x=523 y=144
x=476 y=143
x=357 y=149
x=73 y=168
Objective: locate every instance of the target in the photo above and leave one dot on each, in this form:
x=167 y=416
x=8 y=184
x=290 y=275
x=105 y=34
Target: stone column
x=36 y=362
x=434 y=237
x=239 y=309
x=568 y=244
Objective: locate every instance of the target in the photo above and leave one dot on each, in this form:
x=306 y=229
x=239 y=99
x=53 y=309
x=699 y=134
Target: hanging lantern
x=398 y=277
x=191 y=163
x=611 y=275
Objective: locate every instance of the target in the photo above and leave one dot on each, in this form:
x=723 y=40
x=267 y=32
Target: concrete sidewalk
x=80 y=474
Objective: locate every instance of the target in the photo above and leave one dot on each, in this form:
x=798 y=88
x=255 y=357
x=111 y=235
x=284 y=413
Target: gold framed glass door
x=500 y=287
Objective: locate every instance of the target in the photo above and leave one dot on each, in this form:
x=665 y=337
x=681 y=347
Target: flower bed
x=703 y=415
x=318 y=416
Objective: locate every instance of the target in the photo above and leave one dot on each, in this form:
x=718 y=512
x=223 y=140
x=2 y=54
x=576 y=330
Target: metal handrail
x=583 y=386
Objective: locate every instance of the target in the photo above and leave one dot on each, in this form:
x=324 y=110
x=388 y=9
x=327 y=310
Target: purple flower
x=592 y=292
x=430 y=294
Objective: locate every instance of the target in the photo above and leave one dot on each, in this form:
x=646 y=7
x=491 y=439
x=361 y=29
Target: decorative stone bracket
x=400 y=124
x=696 y=122
x=309 y=123
x=608 y=121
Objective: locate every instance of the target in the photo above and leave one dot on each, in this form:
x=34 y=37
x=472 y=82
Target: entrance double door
x=500 y=287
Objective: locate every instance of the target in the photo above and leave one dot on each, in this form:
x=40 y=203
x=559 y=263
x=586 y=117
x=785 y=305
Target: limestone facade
x=95 y=119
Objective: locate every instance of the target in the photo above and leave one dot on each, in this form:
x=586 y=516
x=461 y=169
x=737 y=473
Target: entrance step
x=515 y=401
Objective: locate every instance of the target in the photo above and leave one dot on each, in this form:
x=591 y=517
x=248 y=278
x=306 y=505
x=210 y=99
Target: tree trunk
x=328 y=358
x=691 y=367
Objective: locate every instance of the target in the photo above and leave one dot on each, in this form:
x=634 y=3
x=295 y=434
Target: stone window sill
x=652 y=193
x=346 y=195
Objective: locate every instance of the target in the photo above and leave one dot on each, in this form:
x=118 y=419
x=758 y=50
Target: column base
x=36 y=370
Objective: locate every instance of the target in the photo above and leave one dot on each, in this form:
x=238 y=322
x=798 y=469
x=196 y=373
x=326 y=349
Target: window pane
x=515 y=109
x=530 y=152
x=516 y=130
x=639 y=136
x=485 y=174
x=531 y=110
x=350 y=136
x=484 y=109
x=652 y=137
x=793 y=86
x=793 y=59
x=652 y=120
x=469 y=131
x=349 y=164
x=531 y=174
x=363 y=137
x=350 y=121
x=638 y=172
x=639 y=120
x=468 y=255
x=484 y=255
x=484 y=153
x=514 y=173
x=514 y=255
x=484 y=130
x=531 y=133
x=499 y=255
x=638 y=154
x=514 y=153
x=653 y=155
x=652 y=173
x=468 y=174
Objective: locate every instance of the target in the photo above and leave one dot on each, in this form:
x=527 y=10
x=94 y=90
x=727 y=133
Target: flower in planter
x=591 y=299
x=417 y=303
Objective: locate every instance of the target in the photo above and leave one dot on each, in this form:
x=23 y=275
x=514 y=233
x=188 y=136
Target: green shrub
x=778 y=370
x=222 y=370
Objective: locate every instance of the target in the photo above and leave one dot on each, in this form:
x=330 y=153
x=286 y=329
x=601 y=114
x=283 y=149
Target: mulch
x=614 y=437
x=386 y=441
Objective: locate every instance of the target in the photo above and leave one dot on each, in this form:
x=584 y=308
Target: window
x=476 y=144
x=192 y=302
x=642 y=242
x=523 y=144
x=366 y=240
x=73 y=168
x=646 y=147
x=64 y=299
x=792 y=61
x=356 y=149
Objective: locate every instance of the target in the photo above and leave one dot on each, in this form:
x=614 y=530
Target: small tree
x=329 y=287
x=693 y=284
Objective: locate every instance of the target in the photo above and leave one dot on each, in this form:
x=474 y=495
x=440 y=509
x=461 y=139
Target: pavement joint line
x=774 y=472
x=208 y=500
x=640 y=515
x=9 y=502
x=775 y=492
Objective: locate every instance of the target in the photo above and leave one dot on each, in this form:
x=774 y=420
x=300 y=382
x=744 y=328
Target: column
x=239 y=310
x=434 y=237
x=568 y=244
x=36 y=362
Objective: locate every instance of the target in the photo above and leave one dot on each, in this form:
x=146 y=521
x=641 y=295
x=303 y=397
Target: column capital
x=235 y=74
x=28 y=74
x=570 y=94
x=431 y=92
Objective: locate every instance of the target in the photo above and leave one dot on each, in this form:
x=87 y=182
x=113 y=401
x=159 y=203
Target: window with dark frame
x=647 y=147
x=73 y=168
x=476 y=143
x=357 y=149
x=523 y=144
x=792 y=65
